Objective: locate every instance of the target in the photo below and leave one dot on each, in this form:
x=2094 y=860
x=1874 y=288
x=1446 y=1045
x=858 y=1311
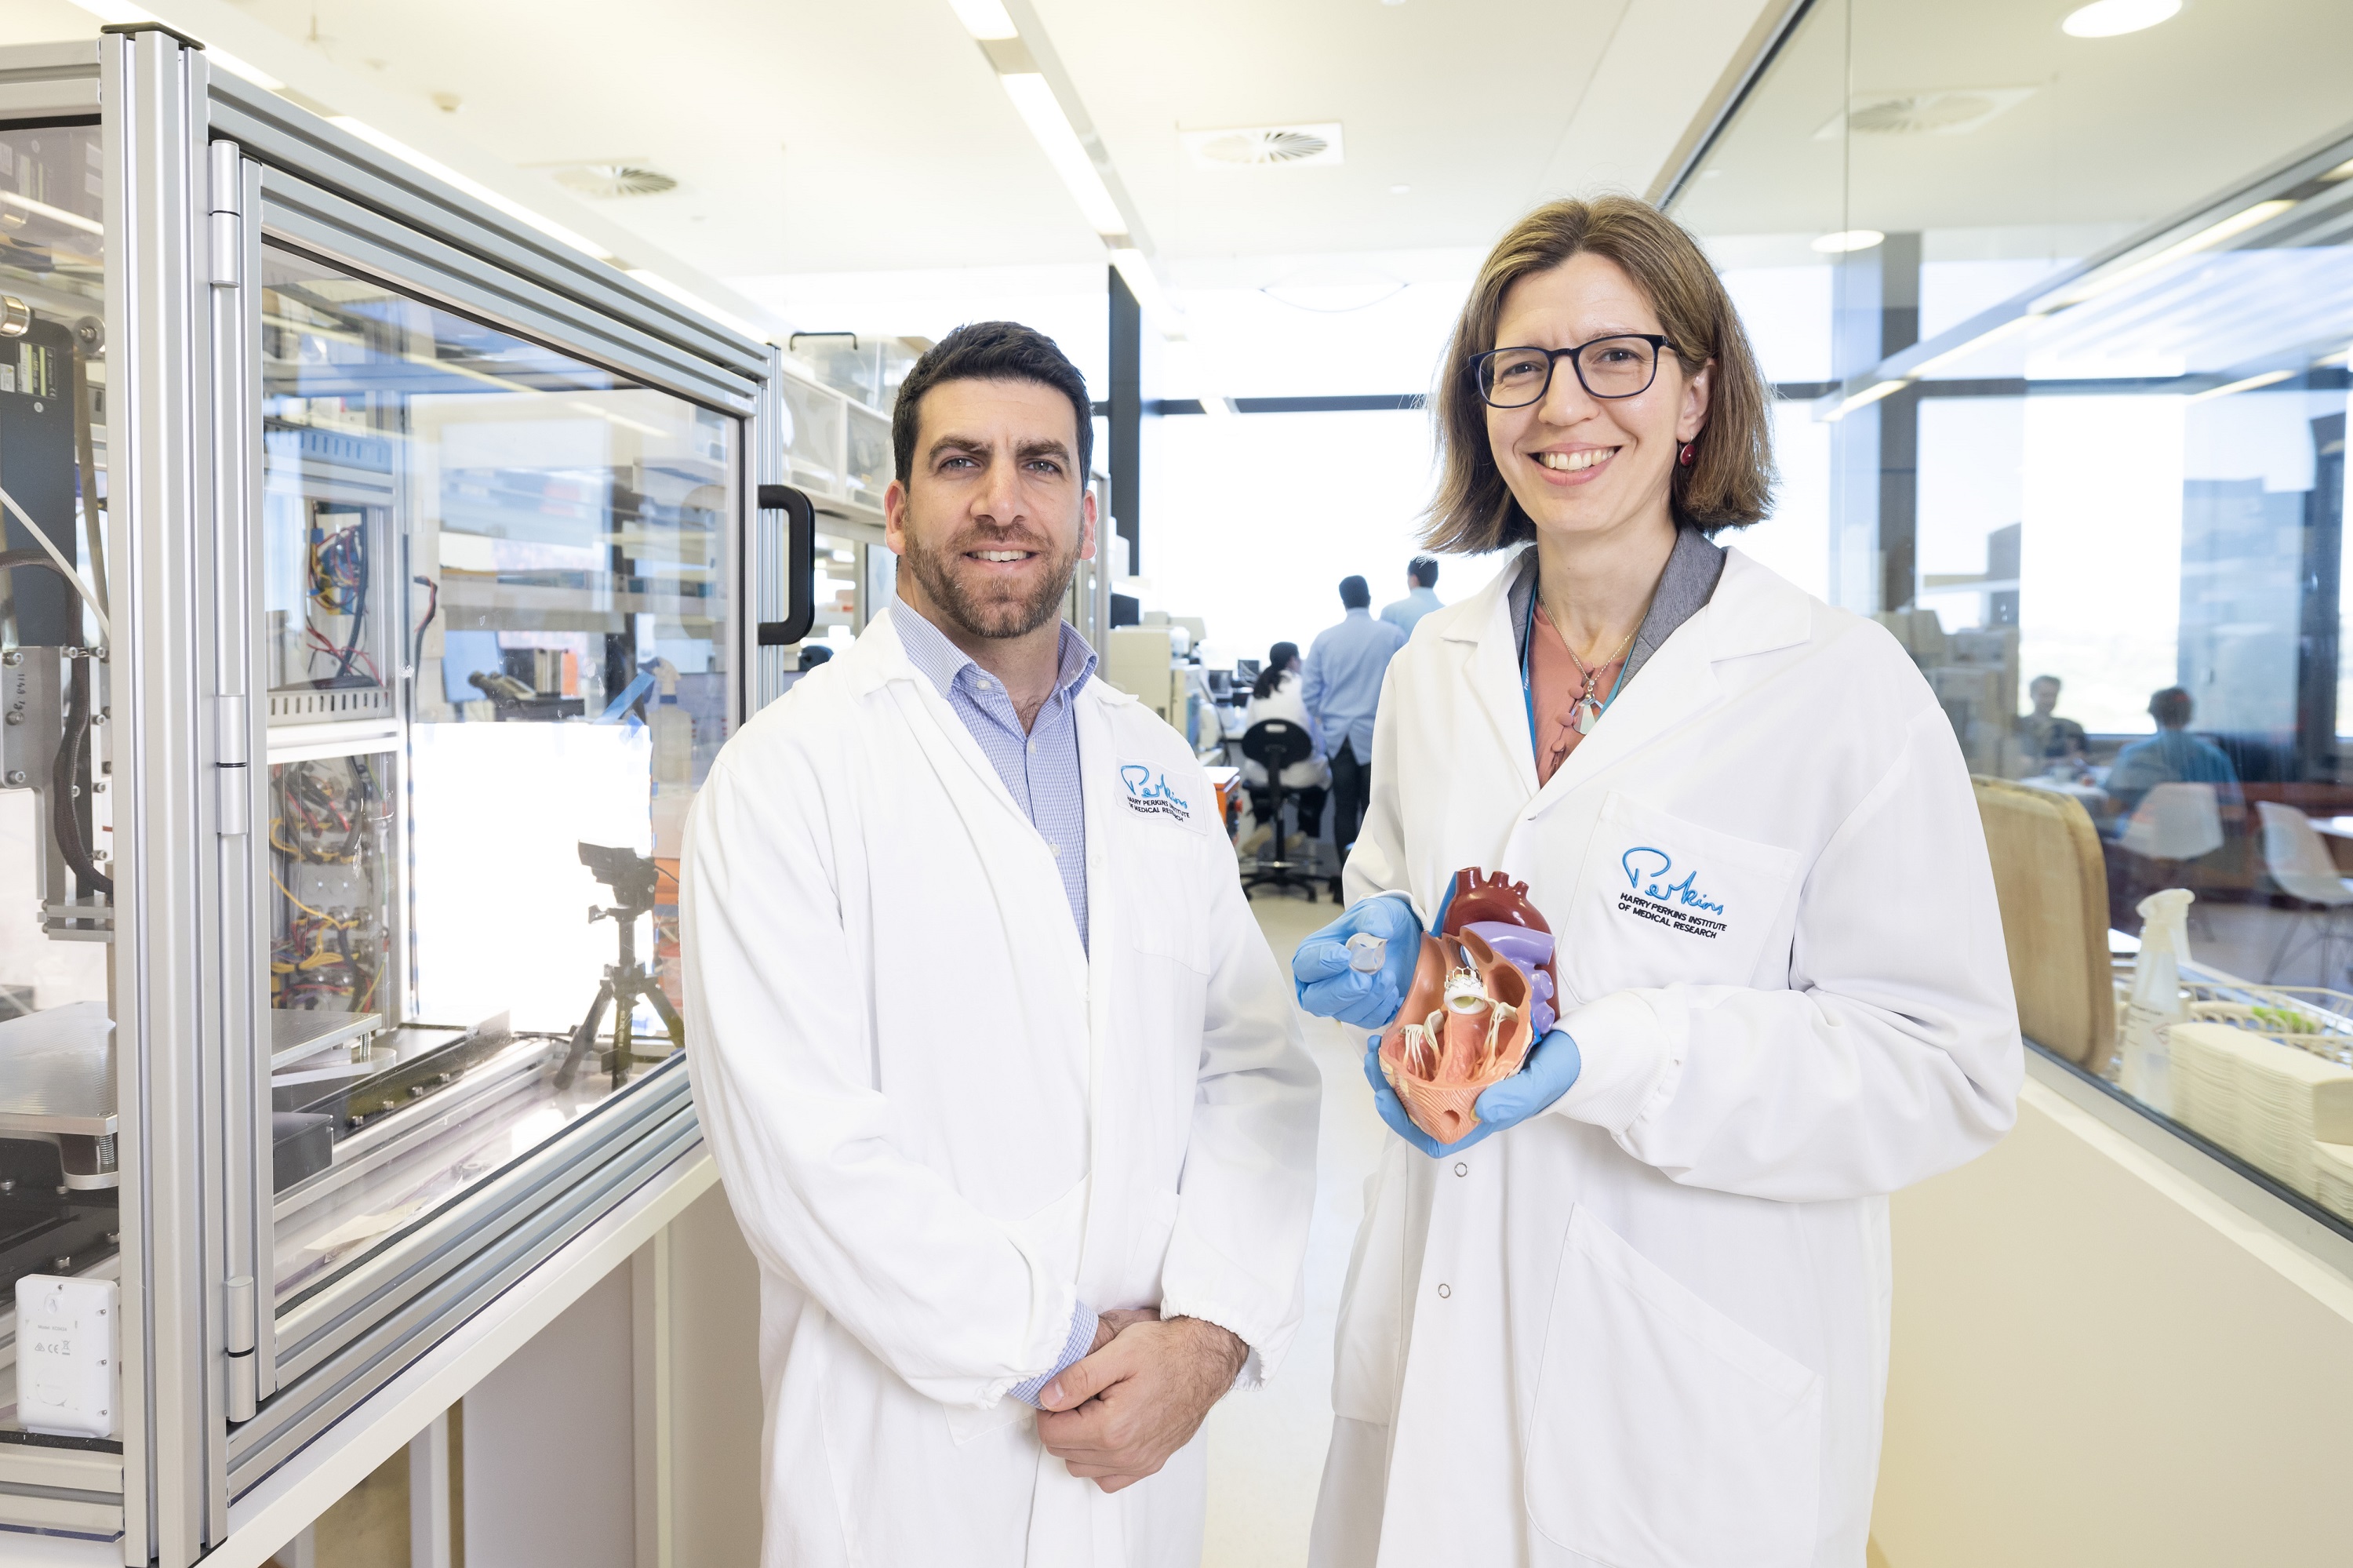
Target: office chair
x=2175 y=825
x=2304 y=870
x=1275 y=744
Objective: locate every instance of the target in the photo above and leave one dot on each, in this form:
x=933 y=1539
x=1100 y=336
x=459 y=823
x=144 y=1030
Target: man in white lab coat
x=997 y=1066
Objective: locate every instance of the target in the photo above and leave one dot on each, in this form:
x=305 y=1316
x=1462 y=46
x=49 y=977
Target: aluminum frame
x=198 y=171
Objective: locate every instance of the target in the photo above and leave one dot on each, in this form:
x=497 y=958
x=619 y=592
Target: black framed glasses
x=1622 y=364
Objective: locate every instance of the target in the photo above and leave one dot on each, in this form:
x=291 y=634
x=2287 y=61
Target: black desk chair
x=1275 y=744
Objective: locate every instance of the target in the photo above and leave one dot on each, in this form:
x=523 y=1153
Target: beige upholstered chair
x=2051 y=881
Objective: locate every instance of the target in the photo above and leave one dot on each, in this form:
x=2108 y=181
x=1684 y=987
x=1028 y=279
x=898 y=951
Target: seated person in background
x=1276 y=695
x=2042 y=735
x=2173 y=756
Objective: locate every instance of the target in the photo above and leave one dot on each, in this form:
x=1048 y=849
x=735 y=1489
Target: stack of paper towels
x=2271 y=1104
x=2334 y=1189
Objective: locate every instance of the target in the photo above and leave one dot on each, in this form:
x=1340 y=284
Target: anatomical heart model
x=1483 y=994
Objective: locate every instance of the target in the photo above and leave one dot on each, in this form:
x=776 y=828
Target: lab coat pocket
x=1662 y=901
x=1664 y=1434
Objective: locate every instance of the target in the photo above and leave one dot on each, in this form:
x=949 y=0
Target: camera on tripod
x=633 y=877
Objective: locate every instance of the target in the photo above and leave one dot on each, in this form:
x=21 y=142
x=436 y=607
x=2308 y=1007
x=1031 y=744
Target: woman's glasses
x=1622 y=366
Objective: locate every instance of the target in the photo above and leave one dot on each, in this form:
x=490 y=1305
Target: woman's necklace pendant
x=1588 y=713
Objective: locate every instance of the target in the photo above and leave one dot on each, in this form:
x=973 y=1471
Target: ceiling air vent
x=1945 y=111
x=607 y=181
x=1264 y=146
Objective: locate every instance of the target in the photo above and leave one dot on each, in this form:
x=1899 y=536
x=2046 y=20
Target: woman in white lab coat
x=1276 y=695
x=1639 y=1315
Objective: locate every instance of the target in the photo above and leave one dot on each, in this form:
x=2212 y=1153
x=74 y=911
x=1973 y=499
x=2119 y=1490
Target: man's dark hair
x=1423 y=570
x=1354 y=594
x=990 y=351
x=2169 y=707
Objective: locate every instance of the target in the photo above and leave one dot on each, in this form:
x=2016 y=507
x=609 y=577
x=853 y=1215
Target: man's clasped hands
x=1138 y=1395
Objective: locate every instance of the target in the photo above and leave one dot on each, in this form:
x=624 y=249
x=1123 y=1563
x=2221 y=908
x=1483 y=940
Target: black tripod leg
x=584 y=1037
x=659 y=1000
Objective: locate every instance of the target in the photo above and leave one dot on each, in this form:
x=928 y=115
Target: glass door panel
x=499 y=603
x=59 y=1179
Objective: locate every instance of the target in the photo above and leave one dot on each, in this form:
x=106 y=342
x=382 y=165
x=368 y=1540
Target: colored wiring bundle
x=339 y=586
x=332 y=813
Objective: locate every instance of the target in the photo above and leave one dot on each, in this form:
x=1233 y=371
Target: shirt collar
x=941 y=662
x=1686 y=584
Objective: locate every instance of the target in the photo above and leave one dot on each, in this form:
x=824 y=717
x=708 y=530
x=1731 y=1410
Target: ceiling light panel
x=985 y=19
x=1034 y=100
x=2113 y=19
x=1265 y=146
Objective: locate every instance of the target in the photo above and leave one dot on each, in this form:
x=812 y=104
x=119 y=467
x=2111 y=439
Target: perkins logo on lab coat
x=1658 y=895
x=1148 y=793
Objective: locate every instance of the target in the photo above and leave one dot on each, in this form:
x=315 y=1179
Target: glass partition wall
x=2060 y=325
x=369 y=614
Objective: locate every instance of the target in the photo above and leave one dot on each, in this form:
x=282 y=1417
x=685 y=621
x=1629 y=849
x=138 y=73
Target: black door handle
x=800 y=565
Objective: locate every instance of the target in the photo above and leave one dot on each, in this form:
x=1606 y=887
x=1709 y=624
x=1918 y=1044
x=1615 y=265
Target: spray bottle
x=2145 y=1072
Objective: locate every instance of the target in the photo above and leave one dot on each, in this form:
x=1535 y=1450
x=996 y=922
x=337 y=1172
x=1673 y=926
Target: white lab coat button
x=1444 y=1291
x=1460 y=1169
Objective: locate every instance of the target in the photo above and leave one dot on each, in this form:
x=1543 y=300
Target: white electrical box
x=69 y=1353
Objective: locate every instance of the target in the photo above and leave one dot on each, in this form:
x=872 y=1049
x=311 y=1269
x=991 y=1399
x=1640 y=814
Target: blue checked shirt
x=1041 y=771
x=1342 y=681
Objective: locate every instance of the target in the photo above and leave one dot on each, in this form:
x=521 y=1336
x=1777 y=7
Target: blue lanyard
x=1528 y=652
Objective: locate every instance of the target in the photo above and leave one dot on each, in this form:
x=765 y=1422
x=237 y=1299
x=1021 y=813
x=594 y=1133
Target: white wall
x=550 y=1455
x=2098 y=1361
x=715 y=1383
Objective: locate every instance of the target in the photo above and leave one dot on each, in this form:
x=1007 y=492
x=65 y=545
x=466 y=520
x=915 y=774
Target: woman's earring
x=1688 y=456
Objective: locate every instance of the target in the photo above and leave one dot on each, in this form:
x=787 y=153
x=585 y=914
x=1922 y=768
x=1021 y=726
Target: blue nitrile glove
x=1550 y=1069
x=1328 y=988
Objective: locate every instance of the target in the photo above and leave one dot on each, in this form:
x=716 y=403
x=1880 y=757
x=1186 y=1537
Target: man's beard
x=999 y=615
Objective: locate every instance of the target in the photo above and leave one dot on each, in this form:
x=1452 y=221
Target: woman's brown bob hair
x=1729 y=483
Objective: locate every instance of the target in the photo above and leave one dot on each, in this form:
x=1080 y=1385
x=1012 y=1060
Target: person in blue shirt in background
x=1342 y=688
x=2171 y=756
x=1421 y=598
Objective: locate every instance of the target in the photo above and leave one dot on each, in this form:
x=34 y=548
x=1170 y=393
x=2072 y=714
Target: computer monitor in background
x=1221 y=683
x=1246 y=671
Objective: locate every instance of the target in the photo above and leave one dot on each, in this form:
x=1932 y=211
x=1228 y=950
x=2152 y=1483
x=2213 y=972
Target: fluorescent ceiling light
x=985 y=19
x=1136 y=270
x=2113 y=19
x=475 y=189
x=1869 y=394
x=2204 y=239
x=1035 y=101
x=54 y=214
x=1983 y=339
x=2249 y=385
x=1847 y=239
x=2343 y=171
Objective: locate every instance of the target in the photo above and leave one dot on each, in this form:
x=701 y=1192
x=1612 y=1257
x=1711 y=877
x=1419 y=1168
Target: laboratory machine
x=380 y=579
